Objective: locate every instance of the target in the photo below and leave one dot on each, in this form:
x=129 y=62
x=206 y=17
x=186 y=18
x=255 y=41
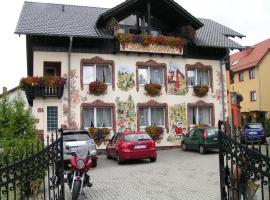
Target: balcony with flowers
x=50 y=86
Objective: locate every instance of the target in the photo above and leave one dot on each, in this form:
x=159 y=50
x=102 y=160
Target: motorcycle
x=80 y=164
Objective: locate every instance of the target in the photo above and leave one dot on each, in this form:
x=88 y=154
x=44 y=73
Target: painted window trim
x=199 y=65
x=95 y=61
x=253 y=92
x=100 y=104
x=151 y=63
x=155 y=104
x=203 y=104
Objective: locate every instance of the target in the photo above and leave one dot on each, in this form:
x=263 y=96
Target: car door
x=191 y=139
x=114 y=145
x=194 y=139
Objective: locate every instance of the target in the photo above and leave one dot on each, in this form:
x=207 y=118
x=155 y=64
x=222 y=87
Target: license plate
x=215 y=139
x=140 y=147
x=252 y=133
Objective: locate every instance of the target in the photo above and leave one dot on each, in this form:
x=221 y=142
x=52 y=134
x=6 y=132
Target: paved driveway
x=175 y=175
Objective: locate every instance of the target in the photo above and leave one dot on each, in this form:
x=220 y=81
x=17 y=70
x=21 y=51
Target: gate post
x=221 y=164
x=62 y=164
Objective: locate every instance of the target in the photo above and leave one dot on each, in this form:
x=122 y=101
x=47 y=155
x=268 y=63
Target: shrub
x=99 y=134
x=155 y=132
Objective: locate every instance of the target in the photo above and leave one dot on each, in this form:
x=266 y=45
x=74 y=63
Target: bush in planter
x=97 y=88
x=153 y=89
x=200 y=90
x=239 y=98
x=99 y=134
x=155 y=132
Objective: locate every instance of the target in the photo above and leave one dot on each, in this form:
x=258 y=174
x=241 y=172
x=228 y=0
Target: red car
x=131 y=145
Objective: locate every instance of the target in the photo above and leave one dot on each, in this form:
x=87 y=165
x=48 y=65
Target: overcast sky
x=249 y=17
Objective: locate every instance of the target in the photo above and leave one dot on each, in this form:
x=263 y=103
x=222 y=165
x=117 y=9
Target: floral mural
x=176 y=80
x=218 y=92
x=126 y=115
x=178 y=123
x=125 y=78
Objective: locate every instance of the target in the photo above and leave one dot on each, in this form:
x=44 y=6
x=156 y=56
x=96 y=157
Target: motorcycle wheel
x=76 y=190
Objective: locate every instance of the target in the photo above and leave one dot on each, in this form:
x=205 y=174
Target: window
x=253 y=96
x=199 y=115
x=241 y=76
x=101 y=73
x=52 y=68
x=151 y=116
x=198 y=77
x=251 y=73
x=151 y=75
x=97 y=117
x=52 y=118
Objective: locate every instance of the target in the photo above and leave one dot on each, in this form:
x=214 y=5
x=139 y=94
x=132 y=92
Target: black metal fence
x=244 y=168
x=35 y=172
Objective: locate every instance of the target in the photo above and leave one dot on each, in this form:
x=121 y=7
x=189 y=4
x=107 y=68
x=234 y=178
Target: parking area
x=175 y=175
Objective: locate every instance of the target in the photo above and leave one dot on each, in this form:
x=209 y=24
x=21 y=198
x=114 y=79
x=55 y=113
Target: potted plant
x=239 y=98
x=200 y=90
x=112 y=25
x=155 y=132
x=99 y=134
x=153 y=89
x=97 y=88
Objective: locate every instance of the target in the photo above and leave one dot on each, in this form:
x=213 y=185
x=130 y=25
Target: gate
x=35 y=171
x=244 y=169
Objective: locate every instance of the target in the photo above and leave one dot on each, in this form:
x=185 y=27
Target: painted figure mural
x=125 y=78
x=126 y=115
x=176 y=80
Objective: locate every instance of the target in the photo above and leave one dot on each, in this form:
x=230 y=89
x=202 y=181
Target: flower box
x=99 y=134
x=200 y=90
x=153 y=89
x=97 y=88
x=155 y=132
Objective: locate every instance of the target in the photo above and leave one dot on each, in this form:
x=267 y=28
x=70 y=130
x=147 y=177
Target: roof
x=9 y=91
x=80 y=21
x=250 y=57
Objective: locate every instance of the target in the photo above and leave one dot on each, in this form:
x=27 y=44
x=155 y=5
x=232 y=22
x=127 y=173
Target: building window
x=199 y=115
x=102 y=73
x=151 y=75
x=198 y=77
x=253 y=96
x=241 y=76
x=52 y=69
x=97 y=117
x=52 y=118
x=151 y=116
x=251 y=73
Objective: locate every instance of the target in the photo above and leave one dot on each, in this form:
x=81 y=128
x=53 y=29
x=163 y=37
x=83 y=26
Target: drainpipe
x=68 y=82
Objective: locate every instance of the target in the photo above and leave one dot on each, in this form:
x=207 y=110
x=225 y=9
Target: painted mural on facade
x=126 y=115
x=178 y=123
x=176 y=79
x=75 y=99
x=218 y=88
x=126 y=79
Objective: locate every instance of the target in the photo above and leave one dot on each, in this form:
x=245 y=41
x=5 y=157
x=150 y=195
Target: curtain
x=204 y=115
x=103 y=73
x=88 y=74
x=144 y=116
x=104 y=117
x=143 y=76
x=157 y=116
x=202 y=77
x=191 y=77
x=88 y=117
x=192 y=113
x=156 y=75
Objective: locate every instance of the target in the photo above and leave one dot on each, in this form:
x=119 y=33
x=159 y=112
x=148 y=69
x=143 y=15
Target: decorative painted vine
x=126 y=78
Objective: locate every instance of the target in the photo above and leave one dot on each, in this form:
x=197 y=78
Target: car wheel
x=183 y=147
x=119 y=160
x=153 y=159
x=202 y=149
x=94 y=162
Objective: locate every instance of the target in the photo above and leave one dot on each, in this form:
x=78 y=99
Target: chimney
x=4 y=90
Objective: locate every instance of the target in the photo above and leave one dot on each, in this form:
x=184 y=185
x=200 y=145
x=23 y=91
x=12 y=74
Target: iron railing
x=38 y=172
x=244 y=168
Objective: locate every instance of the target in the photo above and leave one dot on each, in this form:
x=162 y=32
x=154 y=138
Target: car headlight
x=80 y=164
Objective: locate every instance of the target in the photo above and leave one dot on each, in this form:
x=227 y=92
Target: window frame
x=95 y=72
x=52 y=129
x=241 y=76
x=149 y=117
x=253 y=96
x=52 y=65
x=196 y=76
x=198 y=115
x=149 y=75
x=251 y=73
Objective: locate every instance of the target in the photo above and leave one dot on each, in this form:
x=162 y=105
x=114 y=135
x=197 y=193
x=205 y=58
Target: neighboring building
x=14 y=93
x=250 y=79
x=85 y=44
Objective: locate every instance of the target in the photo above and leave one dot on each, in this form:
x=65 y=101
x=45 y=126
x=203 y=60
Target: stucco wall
x=120 y=60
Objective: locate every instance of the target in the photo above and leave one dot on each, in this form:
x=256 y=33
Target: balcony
x=42 y=87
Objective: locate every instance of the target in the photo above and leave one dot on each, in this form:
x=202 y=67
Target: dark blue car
x=253 y=132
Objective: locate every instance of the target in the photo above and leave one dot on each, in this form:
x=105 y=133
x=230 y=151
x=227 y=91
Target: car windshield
x=76 y=137
x=212 y=131
x=256 y=126
x=132 y=137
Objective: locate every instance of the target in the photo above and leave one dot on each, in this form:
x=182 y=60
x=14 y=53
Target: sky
x=248 y=17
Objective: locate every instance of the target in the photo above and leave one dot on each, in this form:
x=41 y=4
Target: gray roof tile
x=79 y=21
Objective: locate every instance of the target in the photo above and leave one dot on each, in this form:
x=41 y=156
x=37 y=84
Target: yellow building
x=251 y=79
